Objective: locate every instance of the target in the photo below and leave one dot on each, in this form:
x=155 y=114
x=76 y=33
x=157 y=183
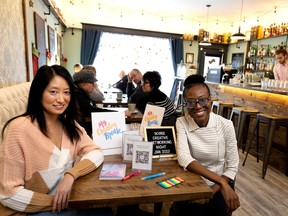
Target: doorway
x=211 y=56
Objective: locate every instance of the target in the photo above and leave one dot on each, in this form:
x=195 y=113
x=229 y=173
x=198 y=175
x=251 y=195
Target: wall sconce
x=238 y=45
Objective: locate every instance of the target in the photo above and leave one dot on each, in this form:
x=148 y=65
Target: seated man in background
x=84 y=80
x=122 y=83
x=136 y=94
x=151 y=82
x=96 y=95
x=77 y=67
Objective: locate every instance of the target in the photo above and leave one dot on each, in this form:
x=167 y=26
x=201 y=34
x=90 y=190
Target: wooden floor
x=258 y=197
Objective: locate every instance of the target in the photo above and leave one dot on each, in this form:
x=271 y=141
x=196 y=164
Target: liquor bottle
x=268 y=50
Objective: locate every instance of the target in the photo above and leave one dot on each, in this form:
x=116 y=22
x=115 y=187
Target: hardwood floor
x=258 y=197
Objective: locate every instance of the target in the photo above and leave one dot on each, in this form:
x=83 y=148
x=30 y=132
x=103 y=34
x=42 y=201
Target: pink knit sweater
x=31 y=166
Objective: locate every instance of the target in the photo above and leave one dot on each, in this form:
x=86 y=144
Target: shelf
x=54 y=12
x=278 y=36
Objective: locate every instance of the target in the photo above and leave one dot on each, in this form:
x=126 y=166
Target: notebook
x=112 y=172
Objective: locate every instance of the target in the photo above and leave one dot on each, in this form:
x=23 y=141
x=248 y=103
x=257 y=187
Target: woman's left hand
x=127 y=113
x=62 y=195
x=231 y=198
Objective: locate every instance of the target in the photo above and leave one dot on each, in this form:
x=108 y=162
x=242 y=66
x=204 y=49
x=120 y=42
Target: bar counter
x=266 y=101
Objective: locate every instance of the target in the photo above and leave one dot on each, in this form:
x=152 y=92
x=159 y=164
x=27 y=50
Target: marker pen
x=153 y=176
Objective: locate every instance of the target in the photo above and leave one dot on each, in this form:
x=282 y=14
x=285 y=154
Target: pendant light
x=239 y=35
x=206 y=41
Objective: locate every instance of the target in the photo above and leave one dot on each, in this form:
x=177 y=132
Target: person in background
x=151 y=82
x=280 y=69
x=40 y=147
x=206 y=145
x=96 y=95
x=122 y=83
x=77 y=67
x=84 y=80
x=136 y=94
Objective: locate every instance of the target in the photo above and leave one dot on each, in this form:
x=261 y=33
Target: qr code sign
x=129 y=149
x=142 y=157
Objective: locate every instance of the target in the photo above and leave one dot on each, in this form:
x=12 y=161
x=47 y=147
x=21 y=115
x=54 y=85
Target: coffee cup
x=119 y=96
x=131 y=107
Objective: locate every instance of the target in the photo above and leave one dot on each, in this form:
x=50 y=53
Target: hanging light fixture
x=239 y=35
x=206 y=41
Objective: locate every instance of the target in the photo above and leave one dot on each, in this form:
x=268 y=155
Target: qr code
x=142 y=157
x=129 y=149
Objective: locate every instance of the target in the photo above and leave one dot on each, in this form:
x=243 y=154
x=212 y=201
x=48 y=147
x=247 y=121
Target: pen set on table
x=137 y=172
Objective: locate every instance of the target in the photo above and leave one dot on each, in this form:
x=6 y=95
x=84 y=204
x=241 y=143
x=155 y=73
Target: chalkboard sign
x=164 y=140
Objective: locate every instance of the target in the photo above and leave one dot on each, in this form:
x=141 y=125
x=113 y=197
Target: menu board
x=164 y=140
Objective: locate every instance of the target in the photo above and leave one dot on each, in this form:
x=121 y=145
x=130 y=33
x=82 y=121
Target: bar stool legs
x=244 y=116
x=272 y=121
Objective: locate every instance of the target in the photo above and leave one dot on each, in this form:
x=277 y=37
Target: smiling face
x=199 y=113
x=56 y=97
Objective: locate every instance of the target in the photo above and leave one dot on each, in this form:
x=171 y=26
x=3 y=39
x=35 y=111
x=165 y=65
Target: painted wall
x=12 y=43
x=13 y=67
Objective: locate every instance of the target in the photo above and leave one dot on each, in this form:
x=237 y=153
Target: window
x=124 y=52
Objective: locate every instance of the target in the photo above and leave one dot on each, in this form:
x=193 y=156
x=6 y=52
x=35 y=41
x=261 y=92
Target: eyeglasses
x=145 y=82
x=193 y=103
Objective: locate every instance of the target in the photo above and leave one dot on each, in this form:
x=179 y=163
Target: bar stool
x=242 y=129
x=222 y=108
x=272 y=121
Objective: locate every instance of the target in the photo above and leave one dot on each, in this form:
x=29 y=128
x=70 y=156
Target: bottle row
x=265 y=50
x=260 y=64
x=258 y=32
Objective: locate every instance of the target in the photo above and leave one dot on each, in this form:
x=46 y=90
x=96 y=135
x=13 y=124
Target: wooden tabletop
x=88 y=191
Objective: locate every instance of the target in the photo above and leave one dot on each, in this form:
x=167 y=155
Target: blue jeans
x=81 y=212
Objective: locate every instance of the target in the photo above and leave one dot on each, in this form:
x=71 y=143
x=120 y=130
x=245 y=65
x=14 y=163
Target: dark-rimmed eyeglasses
x=190 y=103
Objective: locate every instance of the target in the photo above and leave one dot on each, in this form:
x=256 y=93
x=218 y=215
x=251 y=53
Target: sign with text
x=107 y=129
x=164 y=140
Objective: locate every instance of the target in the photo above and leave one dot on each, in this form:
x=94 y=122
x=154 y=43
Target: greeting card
x=107 y=129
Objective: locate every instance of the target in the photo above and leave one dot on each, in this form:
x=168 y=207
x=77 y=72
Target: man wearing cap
x=96 y=95
x=84 y=80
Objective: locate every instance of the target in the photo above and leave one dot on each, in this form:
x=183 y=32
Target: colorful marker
x=153 y=176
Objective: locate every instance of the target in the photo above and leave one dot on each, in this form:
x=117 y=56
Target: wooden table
x=88 y=191
x=110 y=100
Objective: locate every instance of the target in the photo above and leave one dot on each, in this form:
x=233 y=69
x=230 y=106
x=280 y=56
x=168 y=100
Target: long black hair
x=35 y=108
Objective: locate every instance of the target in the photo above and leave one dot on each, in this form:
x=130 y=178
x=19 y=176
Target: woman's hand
x=231 y=198
x=62 y=195
x=127 y=113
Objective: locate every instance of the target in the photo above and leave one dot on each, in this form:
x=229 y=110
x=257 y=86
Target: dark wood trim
x=26 y=40
x=131 y=31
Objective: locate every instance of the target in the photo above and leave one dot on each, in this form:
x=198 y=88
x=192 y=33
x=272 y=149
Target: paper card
x=129 y=140
x=130 y=132
x=153 y=116
x=107 y=129
x=142 y=155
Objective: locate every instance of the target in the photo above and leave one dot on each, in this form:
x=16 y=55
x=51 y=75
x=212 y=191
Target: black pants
x=215 y=206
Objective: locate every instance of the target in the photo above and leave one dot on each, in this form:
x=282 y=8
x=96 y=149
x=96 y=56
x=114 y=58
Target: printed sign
x=107 y=129
x=153 y=116
x=164 y=140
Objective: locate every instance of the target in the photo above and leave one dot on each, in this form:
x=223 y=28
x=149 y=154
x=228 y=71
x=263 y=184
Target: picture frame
x=189 y=58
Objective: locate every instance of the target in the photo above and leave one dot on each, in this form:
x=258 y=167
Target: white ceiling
x=177 y=16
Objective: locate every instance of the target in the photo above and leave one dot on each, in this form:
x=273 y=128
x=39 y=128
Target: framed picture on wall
x=51 y=40
x=40 y=38
x=189 y=58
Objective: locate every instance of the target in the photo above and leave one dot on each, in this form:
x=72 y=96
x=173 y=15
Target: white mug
x=131 y=107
